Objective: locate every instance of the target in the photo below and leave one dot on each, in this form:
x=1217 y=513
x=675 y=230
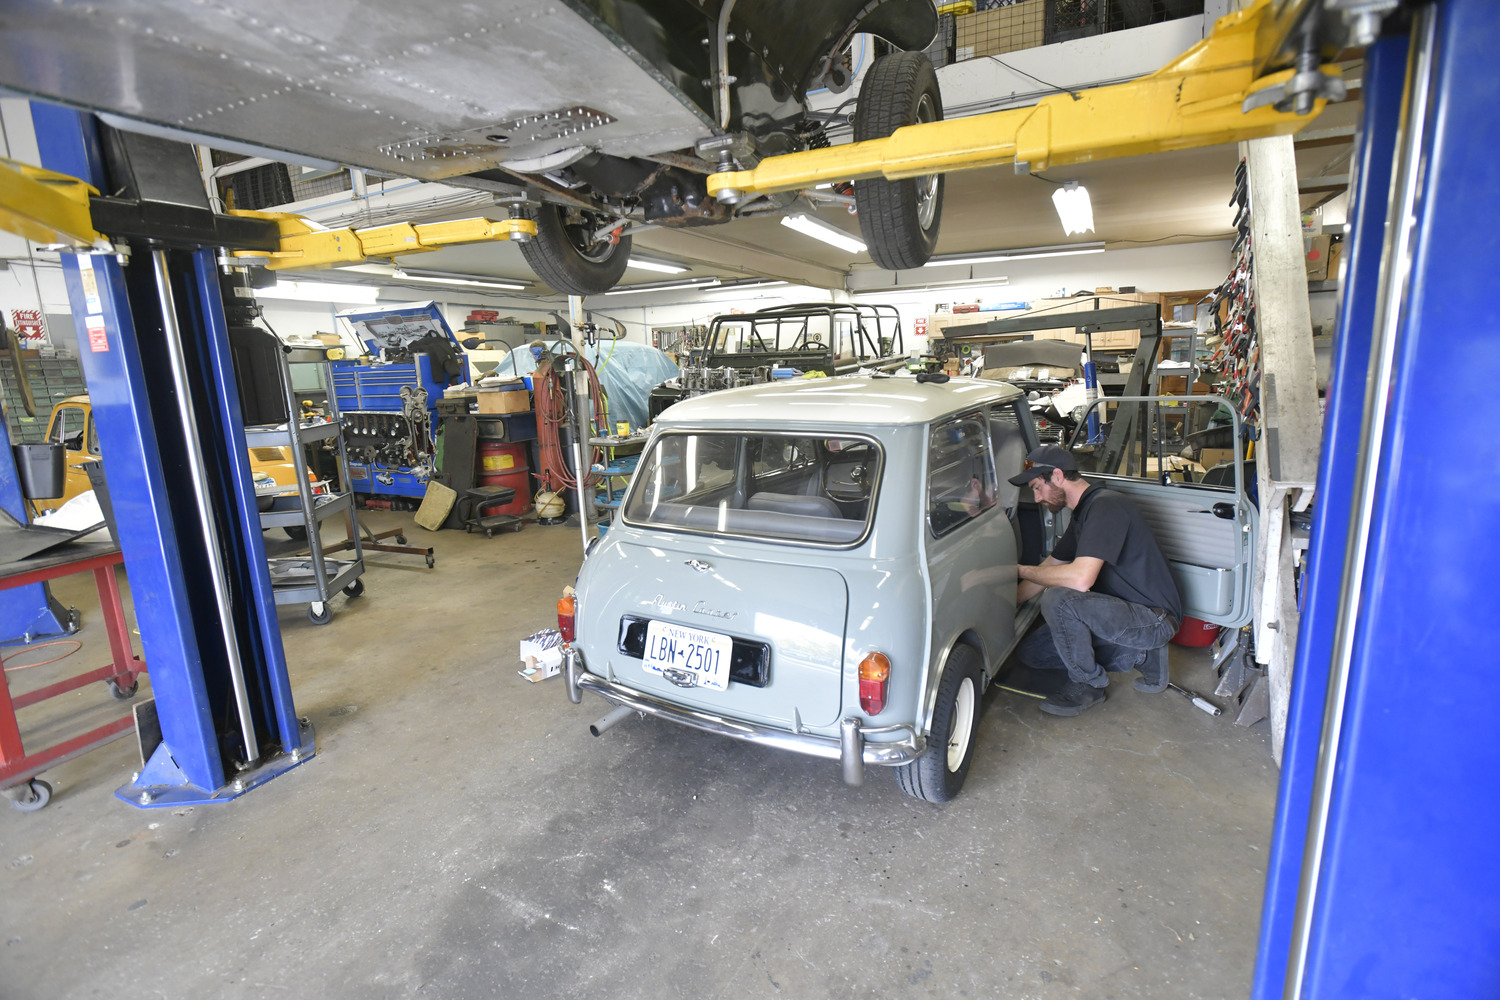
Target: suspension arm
x=1206 y=96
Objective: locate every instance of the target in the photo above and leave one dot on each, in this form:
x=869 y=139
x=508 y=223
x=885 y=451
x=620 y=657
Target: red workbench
x=18 y=768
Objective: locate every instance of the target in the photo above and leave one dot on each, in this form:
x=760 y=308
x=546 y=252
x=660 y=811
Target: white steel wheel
x=963 y=724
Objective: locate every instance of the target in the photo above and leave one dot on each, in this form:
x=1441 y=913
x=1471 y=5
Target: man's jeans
x=1088 y=633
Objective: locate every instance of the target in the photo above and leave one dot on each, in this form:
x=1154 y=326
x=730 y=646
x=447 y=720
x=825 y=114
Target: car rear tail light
x=874 y=674
x=565 y=609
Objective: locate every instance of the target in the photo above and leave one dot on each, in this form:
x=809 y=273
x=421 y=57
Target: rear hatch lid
x=678 y=621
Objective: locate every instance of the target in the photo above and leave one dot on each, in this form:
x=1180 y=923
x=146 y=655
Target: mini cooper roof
x=851 y=401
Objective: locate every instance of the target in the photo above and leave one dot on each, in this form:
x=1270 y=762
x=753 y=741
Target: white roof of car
x=850 y=400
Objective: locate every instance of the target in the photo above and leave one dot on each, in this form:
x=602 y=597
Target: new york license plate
x=688 y=656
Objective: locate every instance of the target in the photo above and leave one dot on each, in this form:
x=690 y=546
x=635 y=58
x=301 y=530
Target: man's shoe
x=1073 y=699
x=1154 y=671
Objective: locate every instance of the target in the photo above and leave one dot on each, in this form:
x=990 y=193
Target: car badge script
x=699 y=565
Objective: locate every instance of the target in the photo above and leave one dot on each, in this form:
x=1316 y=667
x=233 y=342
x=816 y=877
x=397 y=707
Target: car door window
x=960 y=473
x=68 y=428
x=1181 y=440
x=93 y=438
x=1009 y=444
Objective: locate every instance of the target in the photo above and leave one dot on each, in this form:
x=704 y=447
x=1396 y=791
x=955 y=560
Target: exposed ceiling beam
x=1314 y=138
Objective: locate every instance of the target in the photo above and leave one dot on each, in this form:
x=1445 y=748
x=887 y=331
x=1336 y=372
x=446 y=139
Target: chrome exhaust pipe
x=570 y=675
x=852 y=752
x=618 y=715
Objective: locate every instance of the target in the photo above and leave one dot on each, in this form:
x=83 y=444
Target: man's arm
x=1079 y=574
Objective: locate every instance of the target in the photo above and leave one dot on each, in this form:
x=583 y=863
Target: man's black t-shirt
x=1107 y=526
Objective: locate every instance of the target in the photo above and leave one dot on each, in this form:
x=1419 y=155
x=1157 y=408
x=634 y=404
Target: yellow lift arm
x=303 y=244
x=45 y=206
x=1198 y=99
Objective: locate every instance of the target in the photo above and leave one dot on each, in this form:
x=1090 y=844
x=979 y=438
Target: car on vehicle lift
x=828 y=566
x=829 y=338
x=591 y=117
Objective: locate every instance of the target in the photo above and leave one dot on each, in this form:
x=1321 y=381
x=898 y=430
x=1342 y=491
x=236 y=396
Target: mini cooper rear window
x=793 y=488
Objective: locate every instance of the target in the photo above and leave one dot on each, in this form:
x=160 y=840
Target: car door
x=970 y=542
x=1204 y=520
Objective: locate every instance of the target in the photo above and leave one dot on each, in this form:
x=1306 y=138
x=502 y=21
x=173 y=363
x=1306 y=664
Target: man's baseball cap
x=1042 y=461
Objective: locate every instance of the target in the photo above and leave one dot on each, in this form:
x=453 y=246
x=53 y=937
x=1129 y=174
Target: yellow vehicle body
x=72 y=425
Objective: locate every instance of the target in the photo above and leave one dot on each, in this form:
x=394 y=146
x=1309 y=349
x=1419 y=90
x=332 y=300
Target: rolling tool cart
x=314 y=578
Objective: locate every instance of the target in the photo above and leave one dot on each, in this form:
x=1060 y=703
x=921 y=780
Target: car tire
x=296 y=532
x=899 y=219
x=562 y=256
x=938 y=775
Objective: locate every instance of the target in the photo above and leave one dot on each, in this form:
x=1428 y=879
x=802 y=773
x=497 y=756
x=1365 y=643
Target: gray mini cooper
x=826 y=566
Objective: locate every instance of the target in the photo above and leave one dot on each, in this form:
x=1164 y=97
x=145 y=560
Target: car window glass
x=784 y=487
x=67 y=428
x=93 y=438
x=960 y=473
x=1173 y=440
x=1008 y=442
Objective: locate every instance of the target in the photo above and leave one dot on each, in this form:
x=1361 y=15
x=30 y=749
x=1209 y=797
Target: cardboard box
x=542 y=653
x=1005 y=29
x=1317 y=258
x=1335 y=258
x=516 y=400
x=1210 y=457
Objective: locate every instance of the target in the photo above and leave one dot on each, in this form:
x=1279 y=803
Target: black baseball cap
x=1042 y=461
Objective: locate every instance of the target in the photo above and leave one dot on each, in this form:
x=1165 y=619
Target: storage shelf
x=292 y=517
x=281 y=435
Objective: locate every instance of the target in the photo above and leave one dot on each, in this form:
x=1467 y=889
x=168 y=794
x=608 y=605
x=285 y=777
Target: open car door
x=1202 y=514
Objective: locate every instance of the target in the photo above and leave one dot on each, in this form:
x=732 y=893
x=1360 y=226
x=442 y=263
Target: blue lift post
x=154 y=344
x=1383 y=878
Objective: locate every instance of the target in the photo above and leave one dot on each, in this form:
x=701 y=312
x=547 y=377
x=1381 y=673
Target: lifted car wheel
x=565 y=255
x=899 y=219
x=938 y=775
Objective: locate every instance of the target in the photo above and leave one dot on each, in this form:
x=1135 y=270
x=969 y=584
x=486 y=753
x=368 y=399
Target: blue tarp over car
x=627 y=371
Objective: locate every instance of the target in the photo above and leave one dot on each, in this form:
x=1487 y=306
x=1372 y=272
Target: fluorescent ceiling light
x=319 y=291
x=972 y=283
x=818 y=230
x=652 y=265
x=1074 y=208
x=665 y=286
x=485 y=284
x=1026 y=254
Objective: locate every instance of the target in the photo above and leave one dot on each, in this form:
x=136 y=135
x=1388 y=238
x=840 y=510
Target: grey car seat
x=788 y=503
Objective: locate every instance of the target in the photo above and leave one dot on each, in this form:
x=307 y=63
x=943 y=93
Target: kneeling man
x=1108 y=597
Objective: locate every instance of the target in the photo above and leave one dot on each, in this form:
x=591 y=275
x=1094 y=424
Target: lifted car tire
x=938 y=775
x=562 y=256
x=899 y=219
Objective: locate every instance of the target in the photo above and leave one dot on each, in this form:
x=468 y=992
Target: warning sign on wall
x=919 y=326
x=31 y=325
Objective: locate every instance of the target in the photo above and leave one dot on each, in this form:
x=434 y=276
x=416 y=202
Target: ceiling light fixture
x=654 y=265
x=319 y=291
x=1029 y=253
x=819 y=230
x=665 y=286
x=456 y=281
x=1074 y=208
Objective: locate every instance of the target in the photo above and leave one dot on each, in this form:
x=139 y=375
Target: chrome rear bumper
x=852 y=748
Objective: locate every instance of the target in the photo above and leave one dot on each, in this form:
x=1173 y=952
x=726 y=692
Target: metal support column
x=1286 y=456
x=155 y=354
x=1382 y=878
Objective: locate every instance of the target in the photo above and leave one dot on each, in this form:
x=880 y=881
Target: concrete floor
x=459 y=834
